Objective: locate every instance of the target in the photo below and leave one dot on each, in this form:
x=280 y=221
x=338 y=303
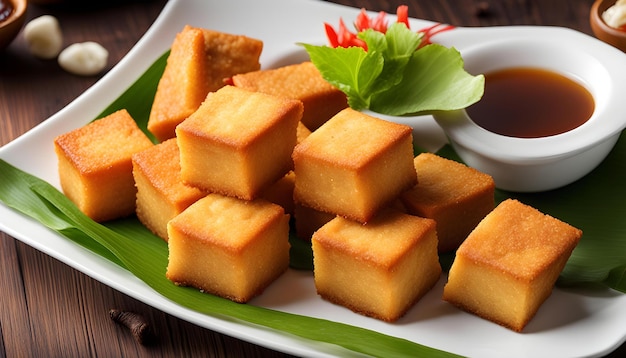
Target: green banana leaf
x=593 y=204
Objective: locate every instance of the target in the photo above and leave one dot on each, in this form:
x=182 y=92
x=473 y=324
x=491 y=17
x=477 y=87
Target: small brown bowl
x=603 y=31
x=11 y=26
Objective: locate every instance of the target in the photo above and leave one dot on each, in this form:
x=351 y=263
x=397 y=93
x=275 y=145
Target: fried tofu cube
x=308 y=221
x=161 y=194
x=302 y=132
x=198 y=63
x=380 y=269
x=182 y=87
x=302 y=82
x=228 y=55
x=354 y=165
x=456 y=196
x=95 y=167
x=238 y=142
x=228 y=247
x=281 y=192
x=507 y=267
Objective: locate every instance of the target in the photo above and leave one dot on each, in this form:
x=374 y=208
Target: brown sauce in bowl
x=6 y=8
x=531 y=103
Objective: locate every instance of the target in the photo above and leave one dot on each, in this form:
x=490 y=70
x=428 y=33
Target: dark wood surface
x=49 y=309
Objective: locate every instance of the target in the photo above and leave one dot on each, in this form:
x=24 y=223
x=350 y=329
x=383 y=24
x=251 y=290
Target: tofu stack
x=232 y=242
x=242 y=151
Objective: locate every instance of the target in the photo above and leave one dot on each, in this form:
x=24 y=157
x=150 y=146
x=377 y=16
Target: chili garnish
x=343 y=37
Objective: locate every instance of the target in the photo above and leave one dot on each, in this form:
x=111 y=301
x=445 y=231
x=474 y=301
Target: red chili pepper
x=347 y=38
x=403 y=15
x=364 y=22
x=380 y=22
x=343 y=37
x=431 y=31
x=331 y=34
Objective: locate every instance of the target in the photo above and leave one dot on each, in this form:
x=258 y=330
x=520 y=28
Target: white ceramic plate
x=571 y=323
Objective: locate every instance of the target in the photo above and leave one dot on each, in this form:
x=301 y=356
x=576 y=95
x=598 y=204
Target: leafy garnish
x=394 y=70
x=433 y=80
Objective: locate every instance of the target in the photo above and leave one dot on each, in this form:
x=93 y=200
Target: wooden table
x=50 y=309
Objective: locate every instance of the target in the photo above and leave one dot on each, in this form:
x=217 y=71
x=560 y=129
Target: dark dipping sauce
x=531 y=103
x=6 y=8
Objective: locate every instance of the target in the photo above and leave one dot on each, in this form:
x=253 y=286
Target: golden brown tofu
x=228 y=247
x=238 y=142
x=198 y=63
x=302 y=132
x=161 y=194
x=509 y=264
x=379 y=269
x=95 y=167
x=456 y=196
x=308 y=220
x=354 y=165
x=182 y=87
x=302 y=82
x=229 y=55
x=281 y=192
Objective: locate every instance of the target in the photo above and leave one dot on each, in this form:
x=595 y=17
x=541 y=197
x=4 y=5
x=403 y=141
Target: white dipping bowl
x=540 y=164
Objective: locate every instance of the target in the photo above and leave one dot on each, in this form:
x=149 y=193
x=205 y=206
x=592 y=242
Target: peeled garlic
x=85 y=58
x=44 y=37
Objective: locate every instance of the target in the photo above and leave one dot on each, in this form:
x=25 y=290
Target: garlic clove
x=85 y=58
x=44 y=37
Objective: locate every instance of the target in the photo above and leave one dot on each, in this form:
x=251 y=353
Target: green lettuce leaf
x=394 y=78
x=396 y=47
x=352 y=70
x=434 y=80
